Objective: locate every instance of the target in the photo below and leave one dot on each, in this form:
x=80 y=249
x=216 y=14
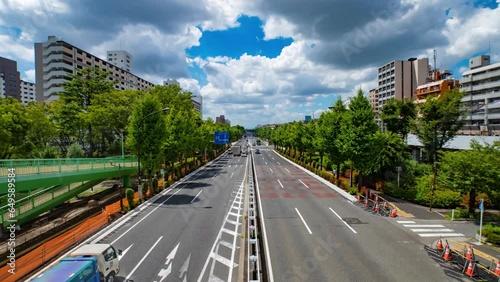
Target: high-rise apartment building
x=481 y=84
x=56 y=60
x=439 y=83
x=220 y=119
x=10 y=79
x=373 y=98
x=399 y=80
x=28 y=92
x=171 y=81
x=121 y=59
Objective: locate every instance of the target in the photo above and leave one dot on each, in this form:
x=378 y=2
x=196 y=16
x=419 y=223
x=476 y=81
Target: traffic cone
x=394 y=213
x=447 y=255
x=366 y=202
x=384 y=205
x=376 y=199
x=468 y=255
x=439 y=245
x=359 y=198
x=497 y=271
x=470 y=269
x=375 y=207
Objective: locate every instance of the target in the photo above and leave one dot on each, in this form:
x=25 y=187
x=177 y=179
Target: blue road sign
x=221 y=137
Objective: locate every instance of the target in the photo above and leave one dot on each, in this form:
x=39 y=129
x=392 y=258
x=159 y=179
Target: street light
x=411 y=76
x=121 y=183
x=139 y=141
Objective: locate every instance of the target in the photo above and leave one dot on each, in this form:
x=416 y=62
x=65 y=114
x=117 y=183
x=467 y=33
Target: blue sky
x=254 y=61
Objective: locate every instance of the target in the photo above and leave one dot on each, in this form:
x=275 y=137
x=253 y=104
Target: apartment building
x=373 y=98
x=28 y=92
x=121 y=59
x=481 y=84
x=220 y=119
x=399 y=79
x=10 y=79
x=171 y=81
x=439 y=83
x=56 y=60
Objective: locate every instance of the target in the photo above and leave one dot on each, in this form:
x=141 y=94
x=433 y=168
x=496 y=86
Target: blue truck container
x=75 y=269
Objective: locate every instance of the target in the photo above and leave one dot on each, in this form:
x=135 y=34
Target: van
x=107 y=259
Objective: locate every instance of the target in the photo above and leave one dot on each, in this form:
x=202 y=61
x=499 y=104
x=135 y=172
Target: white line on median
x=143 y=258
x=196 y=196
x=343 y=221
x=280 y=184
x=303 y=221
x=304 y=184
x=271 y=170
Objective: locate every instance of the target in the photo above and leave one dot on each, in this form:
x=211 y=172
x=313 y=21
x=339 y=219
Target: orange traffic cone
x=439 y=245
x=394 y=213
x=470 y=269
x=376 y=199
x=359 y=198
x=375 y=207
x=366 y=202
x=447 y=255
x=384 y=205
x=497 y=271
x=468 y=255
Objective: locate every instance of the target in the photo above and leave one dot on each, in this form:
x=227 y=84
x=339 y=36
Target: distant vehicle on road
x=244 y=153
x=257 y=151
x=230 y=151
x=236 y=151
x=107 y=259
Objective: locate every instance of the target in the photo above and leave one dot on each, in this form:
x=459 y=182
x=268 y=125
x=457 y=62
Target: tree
x=146 y=133
x=329 y=130
x=471 y=171
x=398 y=116
x=439 y=120
x=78 y=95
x=42 y=131
x=356 y=140
x=391 y=151
x=14 y=126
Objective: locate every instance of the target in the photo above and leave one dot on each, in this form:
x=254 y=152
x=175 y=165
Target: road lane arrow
x=165 y=272
x=184 y=267
x=120 y=257
x=171 y=256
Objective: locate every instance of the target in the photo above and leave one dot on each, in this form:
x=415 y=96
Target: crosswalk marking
x=433 y=230
x=429 y=230
x=423 y=225
x=405 y=221
x=441 y=235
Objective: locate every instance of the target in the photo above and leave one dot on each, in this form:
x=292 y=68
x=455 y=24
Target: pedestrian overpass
x=42 y=184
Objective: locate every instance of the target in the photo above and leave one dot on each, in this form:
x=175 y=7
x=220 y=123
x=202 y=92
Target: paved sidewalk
x=412 y=209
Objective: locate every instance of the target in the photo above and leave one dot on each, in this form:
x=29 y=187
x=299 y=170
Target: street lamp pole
x=139 y=141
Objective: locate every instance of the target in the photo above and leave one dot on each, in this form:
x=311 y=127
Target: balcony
x=487 y=75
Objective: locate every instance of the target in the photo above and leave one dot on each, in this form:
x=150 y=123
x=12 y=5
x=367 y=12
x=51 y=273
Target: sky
x=259 y=62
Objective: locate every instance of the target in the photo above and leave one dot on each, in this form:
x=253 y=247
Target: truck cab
x=106 y=256
x=78 y=269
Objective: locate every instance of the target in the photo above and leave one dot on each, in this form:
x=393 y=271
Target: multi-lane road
x=193 y=231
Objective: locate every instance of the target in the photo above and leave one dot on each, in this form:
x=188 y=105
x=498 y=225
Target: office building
x=28 y=92
x=121 y=59
x=481 y=84
x=56 y=60
x=220 y=119
x=10 y=79
x=438 y=83
x=198 y=104
x=399 y=80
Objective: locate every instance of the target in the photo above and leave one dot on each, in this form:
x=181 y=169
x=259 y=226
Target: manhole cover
x=351 y=220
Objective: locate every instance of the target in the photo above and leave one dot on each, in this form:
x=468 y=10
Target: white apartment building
x=399 y=79
x=121 y=59
x=171 y=81
x=56 y=60
x=28 y=92
x=481 y=84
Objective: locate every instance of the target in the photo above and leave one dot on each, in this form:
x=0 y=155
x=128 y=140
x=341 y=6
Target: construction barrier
x=52 y=248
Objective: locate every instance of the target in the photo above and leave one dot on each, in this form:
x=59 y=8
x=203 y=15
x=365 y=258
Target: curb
x=321 y=179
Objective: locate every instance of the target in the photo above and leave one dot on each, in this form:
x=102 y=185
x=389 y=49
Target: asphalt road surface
x=314 y=234
x=190 y=233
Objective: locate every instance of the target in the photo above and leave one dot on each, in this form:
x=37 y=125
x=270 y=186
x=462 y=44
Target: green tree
x=329 y=130
x=439 y=120
x=357 y=136
x=391 y=152
x=14 y=125
x=398 y=116
x=42 y=131
x=146 y=133
x=78 y=95
x=471 y=171
x=75 y=151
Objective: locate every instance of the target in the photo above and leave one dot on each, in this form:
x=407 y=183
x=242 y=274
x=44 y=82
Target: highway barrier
x=44 y=253
x=377 y=205
x=253 y=266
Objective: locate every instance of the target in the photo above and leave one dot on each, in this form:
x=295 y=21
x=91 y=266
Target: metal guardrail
x=39 y=166
x=254 y=273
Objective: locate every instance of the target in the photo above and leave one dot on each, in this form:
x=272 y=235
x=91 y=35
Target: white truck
x=107 y=259
x=236 y=150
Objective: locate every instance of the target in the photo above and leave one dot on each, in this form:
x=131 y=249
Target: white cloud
x=276 y=27
x=29 y=75
x=13 y=49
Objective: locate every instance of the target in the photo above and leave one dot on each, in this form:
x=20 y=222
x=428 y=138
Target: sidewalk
x=412 y=210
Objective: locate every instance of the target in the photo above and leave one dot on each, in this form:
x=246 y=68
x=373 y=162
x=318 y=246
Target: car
x=257 y=151
x=243 y=154
x=230 y=151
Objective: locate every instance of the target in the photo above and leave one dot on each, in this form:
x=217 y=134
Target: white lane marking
x=354 y=231
x=231 y=175
x=287 y=170
x=405 y=221
x=433 y=230
x=304 y=184
x=273 y=159
x=280 y=184
x=423 y=225
x=196 y=196
x=310 y=232
x=120 y=257
x=271 y=170
x=214 y=176
x=143 y=258
x=278 y=163
x=223 y=260
x=184 y=267
x=265 y=162
x=160 y=205
x=441 y=235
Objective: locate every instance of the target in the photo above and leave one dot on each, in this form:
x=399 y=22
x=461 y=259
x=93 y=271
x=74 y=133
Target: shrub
x=144 y=189
x=353 y=190
x=446 y=199
x=75 y=151
x=493 y=238
x=129 y=193
x=155 y=185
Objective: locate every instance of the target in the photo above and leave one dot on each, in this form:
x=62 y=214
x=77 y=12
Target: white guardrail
x=254 y=273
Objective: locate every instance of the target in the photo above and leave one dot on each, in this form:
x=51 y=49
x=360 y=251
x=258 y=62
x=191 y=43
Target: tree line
x=346 y=137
